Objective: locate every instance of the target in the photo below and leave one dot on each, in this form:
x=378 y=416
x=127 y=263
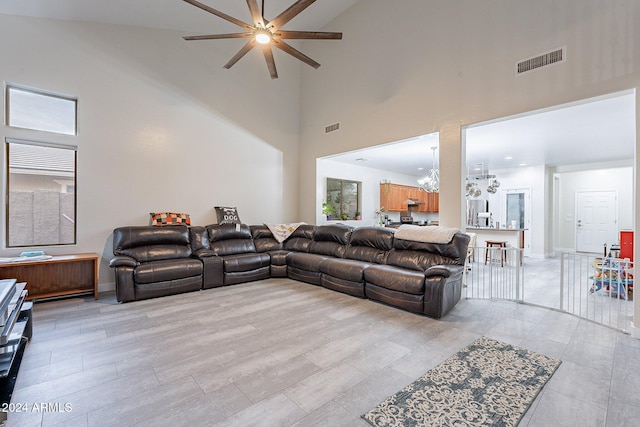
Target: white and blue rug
x=486 y=383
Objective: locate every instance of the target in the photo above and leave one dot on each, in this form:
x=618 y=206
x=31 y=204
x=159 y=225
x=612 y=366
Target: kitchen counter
x=514 y=237
x=424 y=224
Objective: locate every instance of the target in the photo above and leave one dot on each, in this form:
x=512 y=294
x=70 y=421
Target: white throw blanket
x=282 y=231
x=428 y=234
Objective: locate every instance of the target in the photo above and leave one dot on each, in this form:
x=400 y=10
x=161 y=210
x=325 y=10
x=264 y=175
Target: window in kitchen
x=344 y=197
x=41 y=194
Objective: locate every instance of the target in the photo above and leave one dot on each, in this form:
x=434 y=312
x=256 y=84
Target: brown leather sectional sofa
x=367 y=262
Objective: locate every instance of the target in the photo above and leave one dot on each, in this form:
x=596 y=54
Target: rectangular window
x=38 y=110
x=344 y=197
x=41 y=194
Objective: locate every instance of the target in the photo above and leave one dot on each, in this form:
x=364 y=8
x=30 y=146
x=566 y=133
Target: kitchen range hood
x=413 y=202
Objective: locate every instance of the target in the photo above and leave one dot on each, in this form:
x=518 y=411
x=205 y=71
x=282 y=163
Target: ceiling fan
x=266 y=33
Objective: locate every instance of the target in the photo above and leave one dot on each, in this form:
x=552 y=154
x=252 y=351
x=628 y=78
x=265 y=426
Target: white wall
x=370 y=178
x=161 y=125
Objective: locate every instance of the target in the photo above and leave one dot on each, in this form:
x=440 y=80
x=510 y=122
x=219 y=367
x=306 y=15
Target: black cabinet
x=16 y=324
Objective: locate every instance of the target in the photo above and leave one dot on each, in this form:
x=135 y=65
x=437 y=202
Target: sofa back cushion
x=230 y=239
x=370 y=244
x=331 y=240
x=420 y=256
x=300 y=240
x=199 y=238
x=263 y=239
x=148 y=243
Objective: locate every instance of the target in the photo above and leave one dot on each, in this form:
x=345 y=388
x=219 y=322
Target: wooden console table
x=58 y=276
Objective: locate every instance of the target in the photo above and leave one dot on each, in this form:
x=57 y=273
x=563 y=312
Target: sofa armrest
x=213 y=271
x=203 y=253
x=443 y=270
x=442 y=289
x=123 y=261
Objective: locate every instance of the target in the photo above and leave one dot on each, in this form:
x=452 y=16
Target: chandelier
x=431 y=182
x=472 y=188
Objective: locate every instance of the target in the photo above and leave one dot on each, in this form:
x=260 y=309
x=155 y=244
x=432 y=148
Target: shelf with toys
x=612 y=275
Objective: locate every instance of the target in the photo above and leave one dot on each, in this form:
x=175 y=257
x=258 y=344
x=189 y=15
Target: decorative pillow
x=227 y=215
x=169 y=218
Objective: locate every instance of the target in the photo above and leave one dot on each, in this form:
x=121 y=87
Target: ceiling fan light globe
x=263 y=37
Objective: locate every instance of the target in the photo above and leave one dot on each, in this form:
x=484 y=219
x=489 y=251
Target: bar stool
x=496 y=244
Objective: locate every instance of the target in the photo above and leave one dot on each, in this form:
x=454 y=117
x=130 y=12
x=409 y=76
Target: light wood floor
x=281 y=353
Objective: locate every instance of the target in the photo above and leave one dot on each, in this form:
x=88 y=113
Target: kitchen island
x=514 y=237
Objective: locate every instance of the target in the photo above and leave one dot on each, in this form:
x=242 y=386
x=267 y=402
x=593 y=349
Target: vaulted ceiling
x=597 y=131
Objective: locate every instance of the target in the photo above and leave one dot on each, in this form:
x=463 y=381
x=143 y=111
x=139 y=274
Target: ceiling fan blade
x=271 y=63
x=309 y=35
x=290 y=13
x=242 y=52
x=220 y=14
x=295 y=53
x=256 y=15
x=219 y=36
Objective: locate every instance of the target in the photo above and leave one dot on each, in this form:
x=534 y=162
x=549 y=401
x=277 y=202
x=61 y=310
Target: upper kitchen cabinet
x=394 y=198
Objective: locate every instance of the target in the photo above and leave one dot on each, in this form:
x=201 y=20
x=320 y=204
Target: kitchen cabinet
x=394 y=198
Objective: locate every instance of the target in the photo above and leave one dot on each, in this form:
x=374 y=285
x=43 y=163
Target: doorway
x=596 y=220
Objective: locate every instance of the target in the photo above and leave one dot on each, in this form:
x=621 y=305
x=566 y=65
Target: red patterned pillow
x=169 y=218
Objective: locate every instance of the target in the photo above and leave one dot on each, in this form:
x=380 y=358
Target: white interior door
x=596 y=220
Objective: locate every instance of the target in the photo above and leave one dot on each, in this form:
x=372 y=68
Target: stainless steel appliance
x=475 y=207
x=406 y=218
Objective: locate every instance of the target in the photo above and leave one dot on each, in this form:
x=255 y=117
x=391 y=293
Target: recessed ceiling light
x=522 y=164
x=508 y=157
x=420 y=169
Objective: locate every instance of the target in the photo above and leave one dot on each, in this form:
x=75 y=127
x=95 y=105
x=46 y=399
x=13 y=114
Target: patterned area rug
x=486 y=383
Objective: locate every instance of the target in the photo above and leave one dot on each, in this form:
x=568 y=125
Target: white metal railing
x=598 y=289
x=494 y=273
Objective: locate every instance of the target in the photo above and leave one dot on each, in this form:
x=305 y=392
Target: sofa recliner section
x=420 y=274
x=151 y=263
x=266 y=243
x=241 y=262
x=329 y=241
x=367 y=246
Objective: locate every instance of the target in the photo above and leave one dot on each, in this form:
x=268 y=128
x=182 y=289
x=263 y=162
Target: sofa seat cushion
x=403 y=300
x=397 y=279
x=245 y=262
x=346 y=269
x=165 y=270
x=305 y=261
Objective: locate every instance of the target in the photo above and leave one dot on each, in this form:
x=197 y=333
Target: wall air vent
x=332 y=128
x=553 y=57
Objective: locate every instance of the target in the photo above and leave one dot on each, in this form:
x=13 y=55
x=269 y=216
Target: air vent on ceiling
x=332 y=128
x=539 y=61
